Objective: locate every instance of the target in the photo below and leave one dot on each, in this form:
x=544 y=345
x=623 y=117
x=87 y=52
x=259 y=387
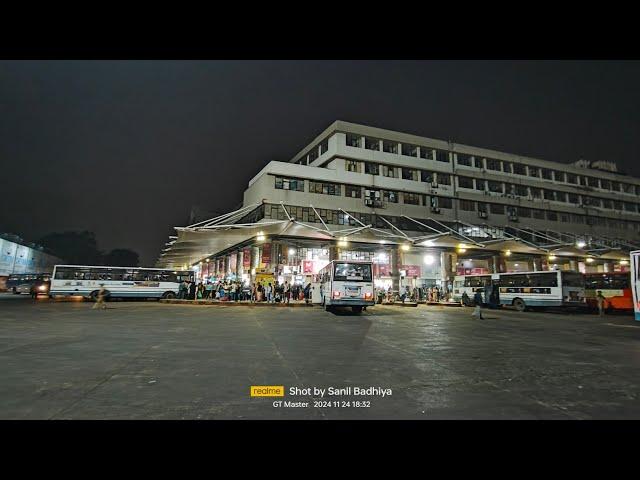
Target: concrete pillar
x=395 y=262
x=573 y=265
x=334 y=253
x=537 y=264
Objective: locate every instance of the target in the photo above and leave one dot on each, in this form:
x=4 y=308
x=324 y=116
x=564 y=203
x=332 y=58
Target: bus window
x=572 y=279
x=543 y=280
x=352 y=272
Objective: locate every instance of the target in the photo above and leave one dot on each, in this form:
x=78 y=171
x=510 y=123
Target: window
x=628 y=188
x=507 y=167
x=630 y=207
x=412 y=198
x=534 y=171
x=409 y=150
x=546 y=174
x=593 y=182
x=617 y=205
x=353 y=191
x=324 y=147
x=552 y=216
x=442 y=156
x=605 y=184
x=577 y=218
x=445 y=202
x=352 y=166
x=536 y=193
x=426 y=152
x=524 y=212
x=521 y=191
x=371 y=143
x=615 y=186
x=325 y=188
x=538 y=214
x=313 y=154
x=478 y=163
x=389 y=147
x=480 y=184
x=519 y=169
x=409 y=174
x=389 y=171
x=549 y=194
x=390 y=196
x=352 y=272
x=565 y=217
x=467 y=205
x=444 y=179
x=463 y=159
x=495 y=187
x=482 y=207
x=353 y=140
x=284 y=183
x=561 y=196
x=573 y=198
x=426 y=176
x=594 y=202
x=496 y=208
x=465 y=182
x=493 y=164
x=570 y=177
x=607 y=203
x=371 y=168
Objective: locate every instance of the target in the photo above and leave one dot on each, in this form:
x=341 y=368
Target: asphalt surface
x=146 y=360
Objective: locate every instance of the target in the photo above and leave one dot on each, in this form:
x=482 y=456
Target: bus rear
x=351 y=285
x=615 y=287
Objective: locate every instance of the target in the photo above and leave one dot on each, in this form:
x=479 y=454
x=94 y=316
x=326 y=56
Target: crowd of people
x=234 y=291
x=409 y=294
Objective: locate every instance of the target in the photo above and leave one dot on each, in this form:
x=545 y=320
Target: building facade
x=18 y=256
x=424 y=210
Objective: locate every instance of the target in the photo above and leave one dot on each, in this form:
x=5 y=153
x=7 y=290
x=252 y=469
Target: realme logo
x=267 y=391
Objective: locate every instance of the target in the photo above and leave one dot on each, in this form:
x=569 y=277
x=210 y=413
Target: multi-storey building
x=389 y=195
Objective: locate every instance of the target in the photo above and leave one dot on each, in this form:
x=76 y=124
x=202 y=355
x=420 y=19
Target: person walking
x=100 y=303
x=600 y=299
x=477 y=312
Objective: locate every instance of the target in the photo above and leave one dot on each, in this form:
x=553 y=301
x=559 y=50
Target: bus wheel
x=356 y=309
x=169 y=295
x=519 y=304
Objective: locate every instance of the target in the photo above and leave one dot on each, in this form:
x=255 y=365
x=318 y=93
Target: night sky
x=126 y=148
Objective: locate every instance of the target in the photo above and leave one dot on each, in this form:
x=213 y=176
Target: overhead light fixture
x=507 y=253
x=405 y=247
x=260 y=236
x=589 y=260
x=342 y=242
x=581 y=244
x=428 y=243
x=624 y=262
x=381 y=242
x=292 y=251
x=429 y=259
x=207 y=260
x=462 y=250
x=552 y=257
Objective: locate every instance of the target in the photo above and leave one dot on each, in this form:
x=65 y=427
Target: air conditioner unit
x=482 y=214
x=435 y=209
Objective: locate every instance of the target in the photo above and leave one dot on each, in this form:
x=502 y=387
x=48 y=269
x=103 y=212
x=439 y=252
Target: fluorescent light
x=429 y=259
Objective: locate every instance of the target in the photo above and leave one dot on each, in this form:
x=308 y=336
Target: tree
x=122 y=257
x=78 y=248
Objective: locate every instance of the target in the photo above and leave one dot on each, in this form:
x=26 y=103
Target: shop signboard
x=246 y=258
x=307 y=266
x=381 y=270
x=266 y=253
x=412 y=270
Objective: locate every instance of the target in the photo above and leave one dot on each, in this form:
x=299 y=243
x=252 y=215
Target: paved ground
x=145 y=360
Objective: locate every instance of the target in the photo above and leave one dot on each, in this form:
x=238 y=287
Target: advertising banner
x=307 y=266
x=412 y=270
x=246 y=258
x=381 y=270
x=266 y=253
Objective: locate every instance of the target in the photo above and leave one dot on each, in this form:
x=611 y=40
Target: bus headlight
x=42 y=288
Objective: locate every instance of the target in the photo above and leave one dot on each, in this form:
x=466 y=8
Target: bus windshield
x=359 y=272
x=607 y=281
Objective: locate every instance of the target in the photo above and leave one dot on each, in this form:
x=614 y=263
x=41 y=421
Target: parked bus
x=615 y=287
x=120 y=282
x=33 y=283
x=347 y=284
x=528 y=289
x=635 y=282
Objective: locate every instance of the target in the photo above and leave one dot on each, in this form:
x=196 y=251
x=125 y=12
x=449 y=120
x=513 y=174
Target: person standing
x=100 y=303
x=600 y=299
x=192 y=290
x=287 y=292
x=268 y=292
x=477 y=312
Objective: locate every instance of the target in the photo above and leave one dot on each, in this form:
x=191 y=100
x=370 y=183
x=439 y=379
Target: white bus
x=527 y=289
x=120 y=282
x=635 y=282
x=347 y=284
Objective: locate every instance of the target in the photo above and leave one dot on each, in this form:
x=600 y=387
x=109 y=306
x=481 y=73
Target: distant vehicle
x=119 y=282
x=635 y=282
x=615 y=287
x=528 y=289
x=347 y=284
x=32 y=283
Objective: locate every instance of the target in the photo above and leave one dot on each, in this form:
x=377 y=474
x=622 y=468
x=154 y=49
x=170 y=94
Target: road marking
x=625 y=326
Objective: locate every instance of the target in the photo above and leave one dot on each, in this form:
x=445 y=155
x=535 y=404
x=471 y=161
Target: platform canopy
x=201 y=240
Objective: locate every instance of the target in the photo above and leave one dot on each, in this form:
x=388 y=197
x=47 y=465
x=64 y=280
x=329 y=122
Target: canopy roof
x=204 y=239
